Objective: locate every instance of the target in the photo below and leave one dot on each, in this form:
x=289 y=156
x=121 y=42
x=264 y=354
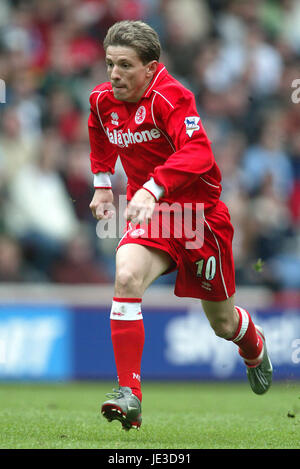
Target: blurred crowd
x=241 y=60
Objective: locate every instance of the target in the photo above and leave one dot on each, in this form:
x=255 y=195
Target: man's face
x=128 y=75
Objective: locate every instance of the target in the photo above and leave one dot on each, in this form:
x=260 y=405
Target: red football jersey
x=160 y=136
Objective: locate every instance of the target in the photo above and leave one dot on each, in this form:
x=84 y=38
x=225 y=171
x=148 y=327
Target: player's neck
x=141 y=93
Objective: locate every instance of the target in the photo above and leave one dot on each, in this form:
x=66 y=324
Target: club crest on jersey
x=140 y=115
x=114 y=118
x=138 y=233
x=191 y=124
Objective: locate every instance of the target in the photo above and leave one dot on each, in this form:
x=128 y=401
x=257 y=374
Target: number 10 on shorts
x=206 y=269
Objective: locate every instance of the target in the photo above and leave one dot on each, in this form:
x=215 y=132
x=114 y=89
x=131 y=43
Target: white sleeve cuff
x=102 y=180
x=155 y=189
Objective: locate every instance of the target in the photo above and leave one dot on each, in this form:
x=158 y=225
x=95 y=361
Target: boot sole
x=113 y=412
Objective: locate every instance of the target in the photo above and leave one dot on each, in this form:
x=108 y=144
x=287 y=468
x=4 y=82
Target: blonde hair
x=136 y=34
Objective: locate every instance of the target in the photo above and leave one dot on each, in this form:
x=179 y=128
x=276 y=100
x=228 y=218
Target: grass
x=175 y=416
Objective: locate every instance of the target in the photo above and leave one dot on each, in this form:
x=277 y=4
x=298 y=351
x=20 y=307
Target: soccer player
x=148 y=119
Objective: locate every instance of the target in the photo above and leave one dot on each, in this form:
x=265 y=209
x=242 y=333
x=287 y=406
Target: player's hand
x=141 y=207
x=102 y=204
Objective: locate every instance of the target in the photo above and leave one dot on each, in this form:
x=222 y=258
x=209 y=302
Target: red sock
x=128 y=336
x=246 y=337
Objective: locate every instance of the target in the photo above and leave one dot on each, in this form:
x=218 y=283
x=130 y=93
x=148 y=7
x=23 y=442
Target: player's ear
x=151 y=68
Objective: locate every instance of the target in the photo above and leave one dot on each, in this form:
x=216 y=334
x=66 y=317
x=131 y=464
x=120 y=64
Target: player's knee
x=223 y=328
x=128 y=283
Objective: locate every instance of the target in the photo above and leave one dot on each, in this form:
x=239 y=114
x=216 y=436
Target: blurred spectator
x=274 y=239
x=295 y=195
x=243 y=53
x=13 y=266
x=28 y=104
x=78 y=179
x=269 y=157
x=39 y=211
x=4 y=12
x=78 y=263
x=271 y=219
x=64 y=115
x=181 y=41
x=264 y=67
x=16 y=147
x=228 y=153
x=289 y=20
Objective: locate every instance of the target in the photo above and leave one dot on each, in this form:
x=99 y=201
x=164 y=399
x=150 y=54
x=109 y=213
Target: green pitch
x=175 y=416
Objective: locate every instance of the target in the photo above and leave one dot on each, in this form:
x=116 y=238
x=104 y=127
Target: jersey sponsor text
x=123 y=139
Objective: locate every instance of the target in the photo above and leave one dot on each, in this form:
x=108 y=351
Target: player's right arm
x=103 y=159
x=102 y=204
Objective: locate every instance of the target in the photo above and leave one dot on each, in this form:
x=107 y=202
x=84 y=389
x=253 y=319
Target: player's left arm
x=192 y=154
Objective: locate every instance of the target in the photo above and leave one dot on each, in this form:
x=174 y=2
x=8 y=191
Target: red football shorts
x=200 y=246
